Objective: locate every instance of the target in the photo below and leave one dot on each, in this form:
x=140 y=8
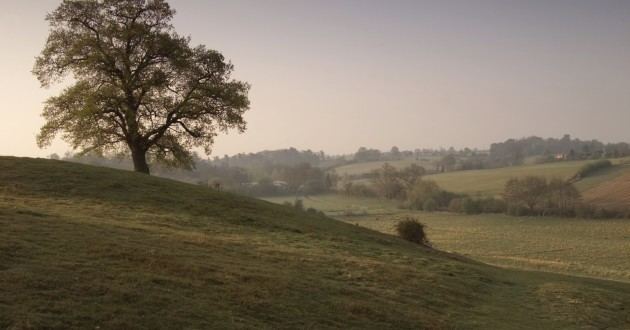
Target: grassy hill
x=89 y=247
x=491 y=182
x=584 y=247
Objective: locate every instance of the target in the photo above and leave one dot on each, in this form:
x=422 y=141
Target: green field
x=595 y=248
x=367 y=167
x=88 y=247
x=491 y=182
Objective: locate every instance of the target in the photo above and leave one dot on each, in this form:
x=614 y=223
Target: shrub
x=413 y=231
x=471 y=206
x=429 y=205
x=593 y=167
x=455 y=205
x=421 y=192
x=298 y=205
x=517 y=209
x=493 y=205
x=360 y=190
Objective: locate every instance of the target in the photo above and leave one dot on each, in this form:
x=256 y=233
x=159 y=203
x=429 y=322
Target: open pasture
x=593 y=248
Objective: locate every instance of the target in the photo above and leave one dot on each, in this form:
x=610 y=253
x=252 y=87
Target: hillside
x=609 y=188
x=89 y=247
x=583 y=247
x=491 y=182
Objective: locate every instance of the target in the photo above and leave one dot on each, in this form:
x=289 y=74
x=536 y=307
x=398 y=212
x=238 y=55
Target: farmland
x=594 y=248
x=89 y=247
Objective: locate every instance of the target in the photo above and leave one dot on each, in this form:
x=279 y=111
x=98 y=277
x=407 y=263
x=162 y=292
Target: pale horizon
x=347 y=74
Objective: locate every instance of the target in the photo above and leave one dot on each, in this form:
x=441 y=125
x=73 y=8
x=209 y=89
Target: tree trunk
x=139 y=157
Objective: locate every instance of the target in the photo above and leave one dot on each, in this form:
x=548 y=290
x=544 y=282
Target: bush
x=493 y=205
x=593 y=167
x=471 y=206
x=412 y=231
x=517 y=209
x=360 y=190
x=425 y=190
x=429 y=205
x=455 y=205
x=298 y=205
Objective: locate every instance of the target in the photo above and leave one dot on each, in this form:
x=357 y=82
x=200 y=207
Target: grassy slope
x=609 y=188
x=595 y=248
x=82 y=247
x=491 y=182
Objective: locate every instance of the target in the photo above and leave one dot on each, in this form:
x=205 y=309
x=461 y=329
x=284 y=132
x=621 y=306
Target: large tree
x=137 y=86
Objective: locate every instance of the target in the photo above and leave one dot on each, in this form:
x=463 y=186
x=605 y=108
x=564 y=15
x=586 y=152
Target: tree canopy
x=137 y=86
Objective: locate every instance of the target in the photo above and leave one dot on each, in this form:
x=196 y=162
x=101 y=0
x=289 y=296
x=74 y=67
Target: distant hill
x=91 y=247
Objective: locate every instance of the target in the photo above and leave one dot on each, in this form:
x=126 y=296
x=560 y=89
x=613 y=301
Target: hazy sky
x=336 y=75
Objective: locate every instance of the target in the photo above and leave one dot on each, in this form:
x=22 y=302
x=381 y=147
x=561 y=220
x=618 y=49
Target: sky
x=337 y=75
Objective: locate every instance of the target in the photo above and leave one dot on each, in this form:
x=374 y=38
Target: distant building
x=280 y=184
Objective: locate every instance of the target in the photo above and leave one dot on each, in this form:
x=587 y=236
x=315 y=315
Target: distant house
x=280 y=184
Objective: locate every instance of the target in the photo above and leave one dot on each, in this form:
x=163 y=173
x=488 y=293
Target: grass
x=491 y=182
x=89 y=247
x=595 y=248
x=338 y=205
x=367 y=167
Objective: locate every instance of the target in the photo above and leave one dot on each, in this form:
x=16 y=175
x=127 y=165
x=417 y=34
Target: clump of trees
x=534 y=195
x=392 y=183
x=281 y=157
x=428 y=196
x=405 y=185
x=352 y=188
x=301 y=179
x=470 y=205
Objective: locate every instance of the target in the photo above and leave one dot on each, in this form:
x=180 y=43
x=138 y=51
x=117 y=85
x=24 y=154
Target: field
x=614 y=190
x=595 y=248
x=367 y=167
x=88 y=247
x=492 y=181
